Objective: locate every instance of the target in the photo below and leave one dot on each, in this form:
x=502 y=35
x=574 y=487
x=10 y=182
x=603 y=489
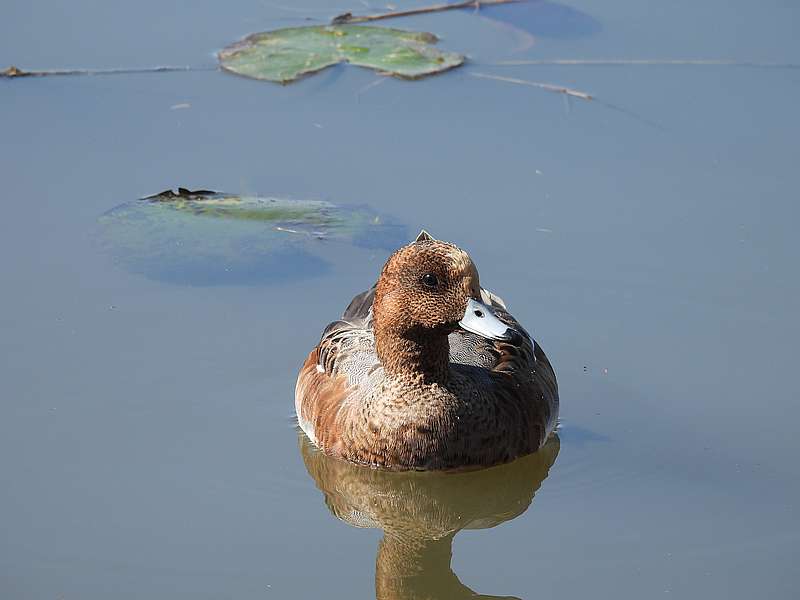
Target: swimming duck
x=428 y=371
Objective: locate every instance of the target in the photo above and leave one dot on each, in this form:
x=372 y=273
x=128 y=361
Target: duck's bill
x=481 y=320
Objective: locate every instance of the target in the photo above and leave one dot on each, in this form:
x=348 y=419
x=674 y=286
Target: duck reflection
x=421 y=512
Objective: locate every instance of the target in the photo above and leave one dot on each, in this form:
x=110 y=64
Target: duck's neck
x=416 y=356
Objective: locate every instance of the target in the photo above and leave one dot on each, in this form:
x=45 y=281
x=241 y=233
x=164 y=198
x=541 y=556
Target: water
x=147 y=447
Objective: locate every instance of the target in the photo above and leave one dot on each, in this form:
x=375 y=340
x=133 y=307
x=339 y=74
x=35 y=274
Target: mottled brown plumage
x=396 y=383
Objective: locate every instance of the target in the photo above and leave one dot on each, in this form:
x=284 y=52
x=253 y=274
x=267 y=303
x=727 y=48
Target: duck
x=427 y=370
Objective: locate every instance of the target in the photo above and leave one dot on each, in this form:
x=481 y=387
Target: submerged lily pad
x=209 y=238
x=284 y=55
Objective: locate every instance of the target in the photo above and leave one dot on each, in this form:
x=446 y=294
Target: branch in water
x=12 y=71
x=348 y=18
x=570 y=93
x=645 y=62
x=544 y=86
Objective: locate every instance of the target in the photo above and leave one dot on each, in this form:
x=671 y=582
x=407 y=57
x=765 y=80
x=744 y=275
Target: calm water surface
x=147 y=444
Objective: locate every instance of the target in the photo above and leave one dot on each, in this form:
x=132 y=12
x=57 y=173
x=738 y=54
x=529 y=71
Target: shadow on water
x=574 y=435
x=544 y=19
x=421 y=512
x=251 y=268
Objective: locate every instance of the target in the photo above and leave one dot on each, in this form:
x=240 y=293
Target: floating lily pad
x=284 y=55
x=210 y=238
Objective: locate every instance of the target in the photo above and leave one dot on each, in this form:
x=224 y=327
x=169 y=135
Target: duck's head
x=431 y=288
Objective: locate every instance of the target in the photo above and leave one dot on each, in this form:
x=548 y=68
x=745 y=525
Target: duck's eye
x=430 y=280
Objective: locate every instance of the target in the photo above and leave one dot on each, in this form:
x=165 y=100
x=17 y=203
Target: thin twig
x=570 y=93
x=347 y=18
x=545 y=86
x=12 y=72
x=644 y=62
x=294 y=9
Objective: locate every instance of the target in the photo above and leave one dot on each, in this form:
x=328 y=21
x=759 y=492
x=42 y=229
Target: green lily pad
x=210 y=238
x=285 y=55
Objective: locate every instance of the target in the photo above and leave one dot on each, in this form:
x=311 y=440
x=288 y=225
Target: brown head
x=426 y=290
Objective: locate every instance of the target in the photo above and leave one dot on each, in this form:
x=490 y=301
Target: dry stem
x=347 y=18
x=12 y=72
x=545 y=86
x=644 y=62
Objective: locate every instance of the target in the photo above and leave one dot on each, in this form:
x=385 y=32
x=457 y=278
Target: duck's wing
x=343 y=359
x=360 y=307
x=347 y=346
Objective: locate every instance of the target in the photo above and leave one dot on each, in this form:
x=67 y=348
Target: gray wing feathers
x=360 y=306
x=347 y=346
